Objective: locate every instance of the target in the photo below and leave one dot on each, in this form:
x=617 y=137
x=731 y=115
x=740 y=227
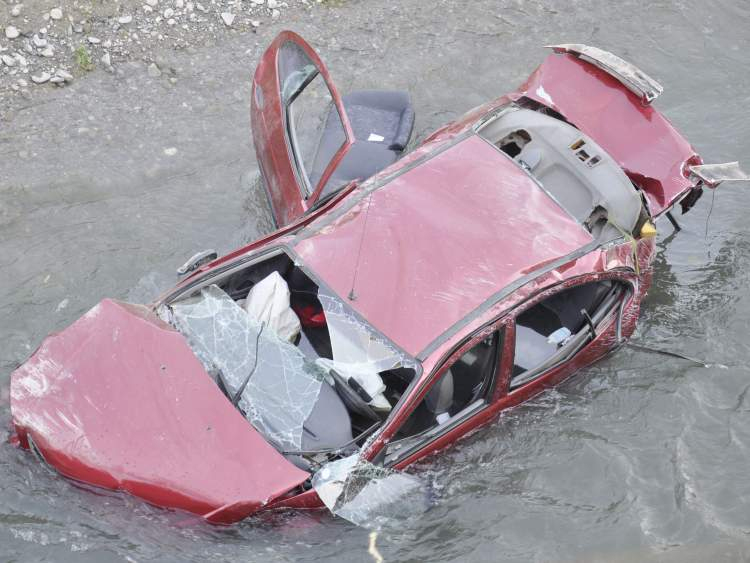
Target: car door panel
x=286 y=71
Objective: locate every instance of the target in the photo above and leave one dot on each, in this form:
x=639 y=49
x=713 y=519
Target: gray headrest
x=440 y=398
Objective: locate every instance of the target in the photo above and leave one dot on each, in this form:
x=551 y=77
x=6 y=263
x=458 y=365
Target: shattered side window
x=284 y=384
x=369 y=495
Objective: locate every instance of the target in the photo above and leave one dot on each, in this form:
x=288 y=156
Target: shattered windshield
x=303 y=369
x=283 y=384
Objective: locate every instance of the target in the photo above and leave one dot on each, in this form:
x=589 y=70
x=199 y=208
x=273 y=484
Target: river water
x=641 y=457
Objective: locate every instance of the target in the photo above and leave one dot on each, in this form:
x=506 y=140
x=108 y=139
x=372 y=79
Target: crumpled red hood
x=119 y=400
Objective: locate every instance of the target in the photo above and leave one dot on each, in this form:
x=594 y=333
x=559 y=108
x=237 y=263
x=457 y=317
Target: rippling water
x=640 y=457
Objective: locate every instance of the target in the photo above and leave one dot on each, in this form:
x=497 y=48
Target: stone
x=41 y=78
x=56 y=14
x=170 y=151
x=153 y=70
x=22 y=83
x=152 y=3
x=273 y=4
x=59 y=80
x=8 y=60
x=275 y=14
x=168 y=13
x=125 y=19
x=94 y=40
x=228 y=18
x=48 y=52
x=11 y=32
x=65 y=75
x=171 y=21
x=16 y=10
x=106 y=60
x=39 y=42
x=179 y=4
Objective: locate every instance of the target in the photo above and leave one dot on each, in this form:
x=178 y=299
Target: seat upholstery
x=372 y=114
x=329 y=424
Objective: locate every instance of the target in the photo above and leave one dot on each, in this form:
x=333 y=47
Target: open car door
x=300 y=129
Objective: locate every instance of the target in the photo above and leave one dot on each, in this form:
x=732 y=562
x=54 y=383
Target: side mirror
x=196 y=261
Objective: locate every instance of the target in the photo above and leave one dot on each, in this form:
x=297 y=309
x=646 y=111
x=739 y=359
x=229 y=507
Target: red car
x=403 y=301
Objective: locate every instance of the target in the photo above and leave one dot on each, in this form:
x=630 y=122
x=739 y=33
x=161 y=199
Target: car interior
x=341 y=417
x=381 y=120
x=569 y=166
x=547 y=334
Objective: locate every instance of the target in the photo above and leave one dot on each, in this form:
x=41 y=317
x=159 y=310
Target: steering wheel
x=351 y=398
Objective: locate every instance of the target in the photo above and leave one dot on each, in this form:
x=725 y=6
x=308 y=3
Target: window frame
x=546 y=369
x=308 y=192
x=422 y=441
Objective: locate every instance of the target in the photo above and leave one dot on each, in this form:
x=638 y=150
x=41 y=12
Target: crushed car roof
x=429 y=247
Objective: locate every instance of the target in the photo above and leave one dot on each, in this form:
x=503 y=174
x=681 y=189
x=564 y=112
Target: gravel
x=77 y=37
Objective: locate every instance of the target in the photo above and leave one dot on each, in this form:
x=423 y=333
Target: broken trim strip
x=629 y=75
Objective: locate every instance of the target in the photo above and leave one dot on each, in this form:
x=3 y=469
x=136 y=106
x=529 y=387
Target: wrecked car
x=405 y=298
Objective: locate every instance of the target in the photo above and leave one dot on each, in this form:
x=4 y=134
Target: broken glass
x=284 y=384
x=369 y=495
x=358 y=352
x=715 y=174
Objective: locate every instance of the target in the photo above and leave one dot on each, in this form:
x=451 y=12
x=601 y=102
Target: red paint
x=637 y=136
x=432 y=252
x=269 y=132
x=119 y=400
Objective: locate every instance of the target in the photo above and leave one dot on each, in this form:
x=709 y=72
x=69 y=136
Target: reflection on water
x=640 y=457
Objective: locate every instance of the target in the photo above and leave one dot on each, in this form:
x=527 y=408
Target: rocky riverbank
x=51 y=43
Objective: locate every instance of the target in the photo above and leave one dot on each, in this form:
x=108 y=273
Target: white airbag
x=268 y=303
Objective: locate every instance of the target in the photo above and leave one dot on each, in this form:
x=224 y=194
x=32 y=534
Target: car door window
x=556 y=328
x=315 y=130
x=464 y=383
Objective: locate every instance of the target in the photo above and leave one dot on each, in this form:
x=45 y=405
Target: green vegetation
x=83 y=58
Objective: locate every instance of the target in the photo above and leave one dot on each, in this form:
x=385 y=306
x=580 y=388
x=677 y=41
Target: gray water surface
x=641 y=457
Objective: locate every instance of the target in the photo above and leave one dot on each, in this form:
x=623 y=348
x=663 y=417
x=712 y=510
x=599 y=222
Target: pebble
x=16 y=10
x=40 y=79
x=65 y=75
x=56 y=13
x=200 y=7
x=273 y=4
x=11 y=32
x=153 y=70
x=170 y=151
x=168 y=13
x=171 y=21
x=22 y=83
x=179 y=4
x=147 y=9
x=106 y=60
x=8 y=60
x=228 y=18
x=48 y=52
x=94 y=40
x=39 y=42
x=59 y=80
x=152 y=3
x=255 y=23
x=275 y=14
x=125 y=19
